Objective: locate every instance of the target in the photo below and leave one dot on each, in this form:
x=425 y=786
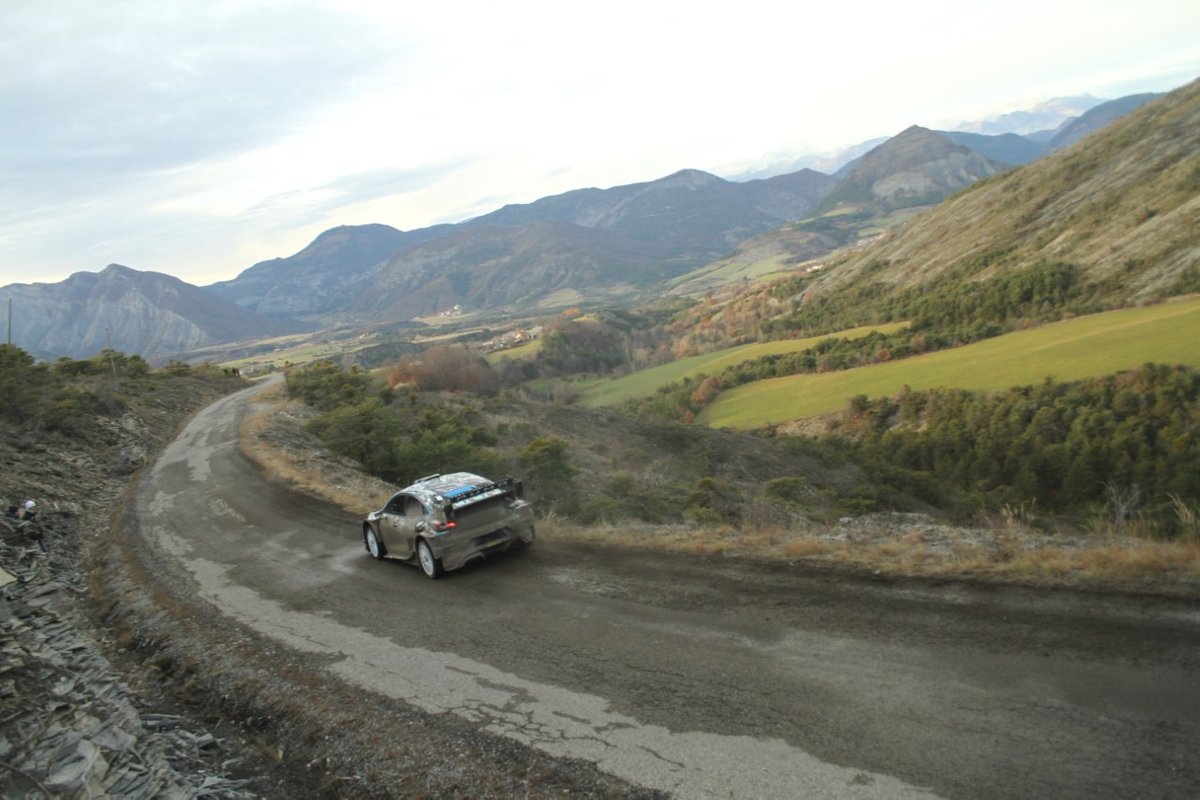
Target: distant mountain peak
x=1046 y=115
x=688 y=177
x=369 y=228
x=915 y=167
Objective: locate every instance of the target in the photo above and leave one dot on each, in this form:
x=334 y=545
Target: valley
x=849 y=451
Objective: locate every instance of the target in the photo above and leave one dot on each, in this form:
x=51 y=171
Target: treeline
x=60 y=396
x=572 y=344
x=605 y=342
x=957 y=304
x=1129 y=442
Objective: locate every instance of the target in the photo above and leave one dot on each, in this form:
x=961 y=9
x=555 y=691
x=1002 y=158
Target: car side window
x=395 y=505
x=413 y=507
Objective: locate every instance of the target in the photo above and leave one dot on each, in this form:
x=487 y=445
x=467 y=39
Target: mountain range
x=587 y=246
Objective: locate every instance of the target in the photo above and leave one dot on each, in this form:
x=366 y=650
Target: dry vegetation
x=272 y=436
x=913 y=546
x=1008 y=548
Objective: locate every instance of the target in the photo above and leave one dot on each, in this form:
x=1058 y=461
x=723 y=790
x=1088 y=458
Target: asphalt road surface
x=704 y=676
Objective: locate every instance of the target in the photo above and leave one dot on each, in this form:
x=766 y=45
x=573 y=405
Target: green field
x=1087 y=347
x=647 y=381
x=526 y=350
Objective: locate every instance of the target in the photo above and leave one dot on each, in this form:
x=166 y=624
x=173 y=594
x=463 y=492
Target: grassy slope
x=526 y=350
x=1086 y=347
x=1121 y=203
x=646 y=382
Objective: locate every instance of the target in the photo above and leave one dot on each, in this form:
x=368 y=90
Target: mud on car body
x=443 y=521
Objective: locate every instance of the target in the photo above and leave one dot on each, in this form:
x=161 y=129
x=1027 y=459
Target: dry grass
x=1006 y=548
x=272 y=436
x=1004 y=554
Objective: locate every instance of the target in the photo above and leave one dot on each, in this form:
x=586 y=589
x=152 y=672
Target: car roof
x=446 y=486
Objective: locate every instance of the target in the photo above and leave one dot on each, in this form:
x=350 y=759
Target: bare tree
x=1122 y=501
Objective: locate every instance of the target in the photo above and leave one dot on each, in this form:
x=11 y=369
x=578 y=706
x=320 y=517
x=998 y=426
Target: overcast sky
x=196 y=138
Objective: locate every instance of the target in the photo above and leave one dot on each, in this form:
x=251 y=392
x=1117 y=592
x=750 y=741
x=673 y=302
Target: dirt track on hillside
x=590 y=670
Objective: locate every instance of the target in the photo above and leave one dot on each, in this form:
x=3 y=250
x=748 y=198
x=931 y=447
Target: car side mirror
x=420 y=526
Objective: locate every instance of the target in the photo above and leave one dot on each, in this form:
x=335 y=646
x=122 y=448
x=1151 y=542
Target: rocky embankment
x=71 y=726
x=72 y=722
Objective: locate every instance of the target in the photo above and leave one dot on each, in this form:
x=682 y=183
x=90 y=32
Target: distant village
x=506 y=341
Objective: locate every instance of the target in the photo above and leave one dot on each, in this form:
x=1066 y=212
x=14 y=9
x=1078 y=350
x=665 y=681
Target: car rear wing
x=505 y=486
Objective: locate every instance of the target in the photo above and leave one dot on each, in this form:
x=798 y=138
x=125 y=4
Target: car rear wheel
x=374 y=546
x=431 y=566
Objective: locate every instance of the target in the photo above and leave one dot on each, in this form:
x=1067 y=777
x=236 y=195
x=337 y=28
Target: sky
x=198 y=138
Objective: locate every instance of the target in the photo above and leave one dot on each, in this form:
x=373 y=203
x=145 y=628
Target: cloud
x=196 y=137
x=102 y=93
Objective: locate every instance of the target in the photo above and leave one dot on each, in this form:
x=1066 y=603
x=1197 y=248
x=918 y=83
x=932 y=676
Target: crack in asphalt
x=689 y=764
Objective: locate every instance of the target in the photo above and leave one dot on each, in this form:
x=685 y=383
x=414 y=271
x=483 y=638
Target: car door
x=398 y=526
x=415 y=515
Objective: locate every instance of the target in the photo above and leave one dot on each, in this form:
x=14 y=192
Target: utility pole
x=9 y=339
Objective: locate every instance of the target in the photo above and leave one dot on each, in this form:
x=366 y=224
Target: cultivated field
x=1087 y=347
x=646 y=382
x=526 y=350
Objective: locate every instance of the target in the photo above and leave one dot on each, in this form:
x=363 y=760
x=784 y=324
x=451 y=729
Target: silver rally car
x=443 y=521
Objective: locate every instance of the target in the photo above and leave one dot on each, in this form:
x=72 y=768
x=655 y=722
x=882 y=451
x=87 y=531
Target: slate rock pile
x=69 y=727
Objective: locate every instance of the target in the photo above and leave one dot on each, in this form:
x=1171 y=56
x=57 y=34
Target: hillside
x=1120 y=205
x=497 y=268
x=689 y=210
x=147 y=313
x=916 y=167
x=1007 y=148
x=902 y=176
x=587 y=245
x=1107 y=223
x=326 y=276
x=1098 y=117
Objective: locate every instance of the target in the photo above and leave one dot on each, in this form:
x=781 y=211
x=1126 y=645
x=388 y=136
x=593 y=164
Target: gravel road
x=689 y=676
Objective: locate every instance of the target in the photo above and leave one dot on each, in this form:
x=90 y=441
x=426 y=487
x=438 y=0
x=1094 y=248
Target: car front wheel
x=431 y=566
x=374 y=546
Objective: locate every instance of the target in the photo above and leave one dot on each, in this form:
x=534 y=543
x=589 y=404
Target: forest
x=1127 y=443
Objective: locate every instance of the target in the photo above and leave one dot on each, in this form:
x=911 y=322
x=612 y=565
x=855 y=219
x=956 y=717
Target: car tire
x=374 y=544
x=432 y=567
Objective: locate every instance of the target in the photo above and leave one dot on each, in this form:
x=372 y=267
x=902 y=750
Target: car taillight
x=444 y=526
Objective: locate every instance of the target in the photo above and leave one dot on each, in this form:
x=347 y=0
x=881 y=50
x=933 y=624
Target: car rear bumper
x=456 y=549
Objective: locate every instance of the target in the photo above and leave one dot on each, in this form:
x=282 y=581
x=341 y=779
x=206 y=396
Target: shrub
x=549 y=474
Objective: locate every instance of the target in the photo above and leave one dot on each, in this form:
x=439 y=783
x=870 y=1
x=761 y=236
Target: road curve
x=702 y=677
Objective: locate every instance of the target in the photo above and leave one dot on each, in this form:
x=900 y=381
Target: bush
x=325 y=386
x=549 y=474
